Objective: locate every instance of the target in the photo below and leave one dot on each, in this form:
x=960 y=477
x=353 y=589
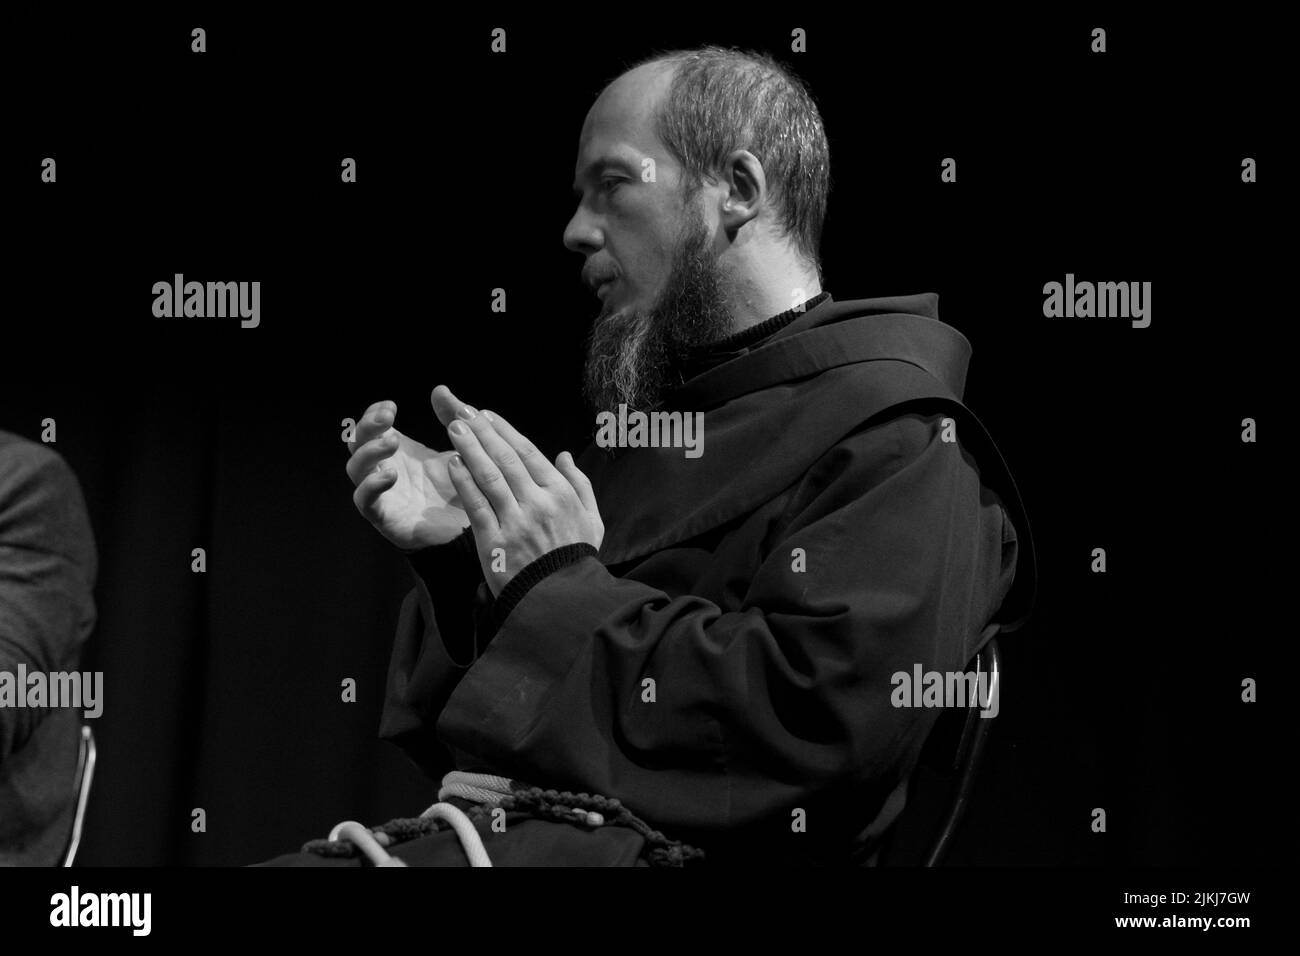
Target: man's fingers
x=482 y=516
x=378 y=418
x=490 y=459
x=365 y=458
x=581 y=483
x=366 y=495
x=541 y=470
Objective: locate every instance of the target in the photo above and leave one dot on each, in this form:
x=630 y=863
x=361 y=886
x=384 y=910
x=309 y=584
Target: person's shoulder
x=22 y=450
x=41 y=503
x=21 y=458
x=929 y=437
x=908 y=430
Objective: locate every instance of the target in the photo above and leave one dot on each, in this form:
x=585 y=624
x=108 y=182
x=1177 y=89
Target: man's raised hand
x=520 y=505
x=402 y=486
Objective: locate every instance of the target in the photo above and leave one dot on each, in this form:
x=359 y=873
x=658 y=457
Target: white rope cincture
x=365 y=841
x=470 y=841
x=478 y=787
x=372 y=844
x=482 y=788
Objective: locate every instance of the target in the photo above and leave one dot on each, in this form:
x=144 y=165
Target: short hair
x=722 y=99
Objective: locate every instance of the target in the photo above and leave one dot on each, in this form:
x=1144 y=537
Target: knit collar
x=707 y=356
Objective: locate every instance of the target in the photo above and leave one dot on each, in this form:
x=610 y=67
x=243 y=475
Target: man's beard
x=632 y=354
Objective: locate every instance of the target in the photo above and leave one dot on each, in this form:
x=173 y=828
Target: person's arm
x=780 y=705
x=439 y=630
x=47 y=575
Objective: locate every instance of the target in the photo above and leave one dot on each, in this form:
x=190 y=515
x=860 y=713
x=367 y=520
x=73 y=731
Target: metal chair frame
x=969 y=754
x=84 y=777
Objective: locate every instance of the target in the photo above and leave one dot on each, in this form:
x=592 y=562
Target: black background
x=222 y=690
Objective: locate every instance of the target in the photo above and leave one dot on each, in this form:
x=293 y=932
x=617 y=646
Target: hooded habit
x=724 y=664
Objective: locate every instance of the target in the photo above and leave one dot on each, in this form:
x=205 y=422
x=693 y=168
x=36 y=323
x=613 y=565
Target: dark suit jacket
x=47 y=573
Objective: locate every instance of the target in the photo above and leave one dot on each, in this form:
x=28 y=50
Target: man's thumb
x=445 y=404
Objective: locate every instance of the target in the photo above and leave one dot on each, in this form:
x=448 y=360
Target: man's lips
x=603 y=288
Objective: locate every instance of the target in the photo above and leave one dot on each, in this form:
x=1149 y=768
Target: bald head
x=677 y=213
x=629 y=105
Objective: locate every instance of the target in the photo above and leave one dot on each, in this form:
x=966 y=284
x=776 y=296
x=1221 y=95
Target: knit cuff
x=535 y=573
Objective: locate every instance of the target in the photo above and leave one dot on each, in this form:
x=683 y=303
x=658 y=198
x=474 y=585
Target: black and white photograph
x=833 y=451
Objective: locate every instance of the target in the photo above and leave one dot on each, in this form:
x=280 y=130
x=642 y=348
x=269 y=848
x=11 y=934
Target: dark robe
x=771 y=736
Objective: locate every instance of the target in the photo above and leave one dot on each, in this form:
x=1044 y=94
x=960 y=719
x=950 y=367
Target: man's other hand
x=403 y=487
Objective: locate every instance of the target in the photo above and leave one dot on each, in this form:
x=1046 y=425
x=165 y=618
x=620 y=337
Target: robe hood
x=771 y=412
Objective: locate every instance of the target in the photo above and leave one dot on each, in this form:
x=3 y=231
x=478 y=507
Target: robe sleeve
x=47 y=575
x=780 y=705
x=439 y=632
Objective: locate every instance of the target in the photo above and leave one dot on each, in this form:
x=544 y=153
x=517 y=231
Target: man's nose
x=582 y=234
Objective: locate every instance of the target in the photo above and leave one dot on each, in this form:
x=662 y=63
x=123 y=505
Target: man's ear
x=746 y=190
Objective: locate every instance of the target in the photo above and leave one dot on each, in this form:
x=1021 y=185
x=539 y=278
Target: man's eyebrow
x=595 y=166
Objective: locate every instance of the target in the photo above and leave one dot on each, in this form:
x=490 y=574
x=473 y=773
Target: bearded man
x=647 y=656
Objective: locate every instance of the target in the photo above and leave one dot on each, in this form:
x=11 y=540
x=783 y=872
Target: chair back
x=969 y=755
x=81 y=782
x=942 y=784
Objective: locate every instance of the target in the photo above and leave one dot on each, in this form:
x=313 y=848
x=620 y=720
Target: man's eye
x=610 y=184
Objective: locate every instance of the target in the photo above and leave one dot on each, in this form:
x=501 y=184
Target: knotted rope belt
x=486 y=793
